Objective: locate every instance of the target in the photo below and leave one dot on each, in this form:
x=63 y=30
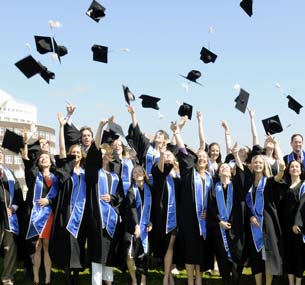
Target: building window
x=8 y=159
x=47 y=136
x=17 y=160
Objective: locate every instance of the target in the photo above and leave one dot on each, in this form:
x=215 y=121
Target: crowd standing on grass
x=117 y=201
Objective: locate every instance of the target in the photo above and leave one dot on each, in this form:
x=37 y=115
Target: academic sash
x=77 y=202
x=143 y=211
x=171 y=219
x=301 y=192
x=109 y=216
x=40 y=215
x=211 y=167
x=257 y=209
x=224 y=210
x=201 y=199
x=12 y=220
x=291 y=157
x=150 y=159
x=127 y=167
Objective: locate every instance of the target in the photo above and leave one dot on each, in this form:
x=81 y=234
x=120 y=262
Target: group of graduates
x=116 y=200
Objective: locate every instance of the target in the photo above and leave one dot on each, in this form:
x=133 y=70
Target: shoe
x=175 y=271
x=7 y=282
x=36 y=283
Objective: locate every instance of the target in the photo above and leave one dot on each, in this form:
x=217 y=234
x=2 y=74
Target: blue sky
x=164 y=39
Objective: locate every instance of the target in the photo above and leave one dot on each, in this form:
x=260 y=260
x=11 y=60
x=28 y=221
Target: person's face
x=44 y=144
x=297 y=144
x=76 y=150
x=44 y=161
x=86 y=138
x=295 y=169
x=225 y=170
x=214 y=152
x=1 y=156
x=117 y=146
x=269 y=145
x=106 y=155
x=159 y=138
x=243 y=153
x=258 y=164
x=168 y=157
x=138 y=174
x=202 y=159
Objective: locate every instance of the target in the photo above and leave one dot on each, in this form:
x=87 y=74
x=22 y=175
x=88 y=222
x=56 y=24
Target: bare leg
x=36 y=259
x=168 y=260
x=132 y=269
x=47 y=260
x=143 y=279
x=269 y=277
x=259 y=278
x=291 y=279
x=198 y=275
x=298 y=281
x=190 y=273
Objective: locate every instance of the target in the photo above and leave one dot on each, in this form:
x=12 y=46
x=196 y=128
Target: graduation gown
x=101 y=247
x=65 y=249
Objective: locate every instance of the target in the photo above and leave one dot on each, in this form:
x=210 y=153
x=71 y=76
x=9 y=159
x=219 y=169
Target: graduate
x=297 y=153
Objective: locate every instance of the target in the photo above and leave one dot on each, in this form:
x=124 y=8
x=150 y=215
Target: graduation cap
x=116 y=128
x=246 y=5
x=96 y=11
x=256 y=150
x=207 y=56
x=12 y=141
x=129 y=96
x=193 y=75
x=242 y=100
x=45 y=73
x=272 y=125
x=186 y=110
x=100 y=53
x=28 y=66
x=294 y=104
x=43 y=44
x=109 y=137
x=59 y=50
x=149 y=102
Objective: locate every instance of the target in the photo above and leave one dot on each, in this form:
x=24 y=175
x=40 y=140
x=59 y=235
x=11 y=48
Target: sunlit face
x=257 y=164
x=297 y=144
x=225 y=170
x=159 y=138
x=86 y=138
x=269 y=146
x=202 y=159
x=44 y=144
x=76 y=150
x=118 y=146
x=295 y=168
x=243 y=153
x=106 y=154
x=168 y=157
x=44 y=161
x=214 y=152
x=138 y=174
x=1 y=156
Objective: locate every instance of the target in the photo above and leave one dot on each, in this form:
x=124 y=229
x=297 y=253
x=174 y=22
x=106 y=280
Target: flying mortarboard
x=246 y=5
x=96 y=11
x=59 y=50
x=185 y=110
x=45 y=73
x=272 y=125
x=43 y=44
x=207 y=56
x=149 y=102
x=100 y=53
x=193 y=75
x=242 y=100
x=116 y=128
x=129 y=96
x=294 y=104
x=12 y=141
x=28 y=66
x=109 y=137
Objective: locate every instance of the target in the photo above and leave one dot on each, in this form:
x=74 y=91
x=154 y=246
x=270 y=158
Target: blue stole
x=40 y=215
x=211 y=167
x=127 y=167
x=150 y=159
x=143 y=212
x=224 y=210
x=200 y=201
x=109 y=217
x=257 y=209
x=301 y=192
x=171 y=219
x=12 y=220
x=291 y=157
x=77 y=202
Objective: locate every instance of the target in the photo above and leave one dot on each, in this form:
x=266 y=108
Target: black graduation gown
x=65 y=248
x=271 y=229
x=235 y=235
x=160 y=240
x=101 y=247
x=196 y=250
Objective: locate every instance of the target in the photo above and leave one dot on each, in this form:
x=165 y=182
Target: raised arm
x=176 y=132
x=70 y=110
x=181 y=124
x=161 y=160
x=25 y=150
x=132 y=113
x=279 y=156
x=225 y=126
x=255 y=140
x=200 y=131
x=62 y=147
x=98 y=136
x=238 y=162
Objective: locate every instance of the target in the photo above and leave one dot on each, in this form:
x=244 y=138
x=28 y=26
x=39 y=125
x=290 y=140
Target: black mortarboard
x=242 y=100
x=129 y=96
x=256 y=150
x=185 y=110
x=96 y=11
x=100 y=53
x=109 y=137
x=43 y=44
x=149 y=101
x=116 y=128
x=207 y=56
x=272 y=125
x=12 y=141
x=294 y=104
x=59 y=50
x=246 y=5
x=45 y=73
x=193 y=75
x=28 y=66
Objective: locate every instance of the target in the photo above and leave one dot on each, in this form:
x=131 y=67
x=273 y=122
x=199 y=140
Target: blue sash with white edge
x=200 y=201
x=77 y=202
x=12 y=220
x=224 y=210
x=40 y=215
x=109 y=216
x=257 y=209
x=127 y=167
x=211 y=167
x=171 y=219
x=291 y=157
x=150 y=159
x=143 y=212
